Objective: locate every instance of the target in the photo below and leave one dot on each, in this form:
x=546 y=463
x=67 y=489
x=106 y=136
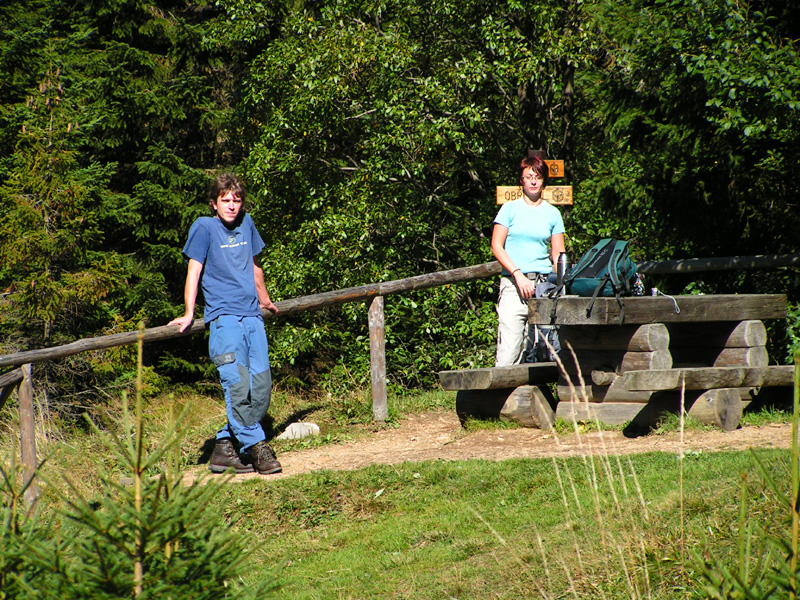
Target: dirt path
x=439 y=436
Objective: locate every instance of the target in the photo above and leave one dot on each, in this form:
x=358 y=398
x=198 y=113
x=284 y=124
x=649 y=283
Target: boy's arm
x=189 y=294
x=261 y=289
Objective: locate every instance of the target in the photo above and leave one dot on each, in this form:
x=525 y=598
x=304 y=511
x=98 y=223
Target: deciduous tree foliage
x=372 y=135
x=377 y=133
x=690 y=118
x=691 y=113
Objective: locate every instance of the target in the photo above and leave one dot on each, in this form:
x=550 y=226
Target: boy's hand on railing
x=185 y=321
x=270 y=306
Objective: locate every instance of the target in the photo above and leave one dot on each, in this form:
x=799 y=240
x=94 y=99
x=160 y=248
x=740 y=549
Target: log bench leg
x=528 y=405
x=607 y=413
x=720 y=407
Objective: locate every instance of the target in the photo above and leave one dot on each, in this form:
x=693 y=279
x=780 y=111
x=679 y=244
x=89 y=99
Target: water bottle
x=562 y=268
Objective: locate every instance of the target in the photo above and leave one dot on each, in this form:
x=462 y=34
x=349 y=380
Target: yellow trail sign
x=556 y=168
x=554 y=194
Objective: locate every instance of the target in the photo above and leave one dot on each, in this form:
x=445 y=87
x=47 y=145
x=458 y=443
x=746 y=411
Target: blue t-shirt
x=227 y=255
x=529 y=231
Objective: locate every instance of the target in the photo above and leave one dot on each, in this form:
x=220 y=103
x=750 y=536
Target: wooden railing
x=376 y=290
x=20 y=362
x=734 y=263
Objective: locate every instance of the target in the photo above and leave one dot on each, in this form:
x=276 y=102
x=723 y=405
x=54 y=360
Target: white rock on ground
x=295 y=431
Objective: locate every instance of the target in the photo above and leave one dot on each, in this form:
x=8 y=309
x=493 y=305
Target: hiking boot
x=264 y=460
x=225 y=457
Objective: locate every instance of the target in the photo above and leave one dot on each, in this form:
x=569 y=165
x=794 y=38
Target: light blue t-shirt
x=227 y=255
x=529 y=231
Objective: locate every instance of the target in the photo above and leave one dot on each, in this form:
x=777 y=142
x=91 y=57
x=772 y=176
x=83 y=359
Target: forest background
x=372 y=134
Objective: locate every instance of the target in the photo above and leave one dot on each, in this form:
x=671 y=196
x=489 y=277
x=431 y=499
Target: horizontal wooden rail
x=697 y=265
x=367 y=292
x=8 y=383
x=12 y=378
x=285 y=307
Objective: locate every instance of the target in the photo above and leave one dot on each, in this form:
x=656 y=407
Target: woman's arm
x=524 y=285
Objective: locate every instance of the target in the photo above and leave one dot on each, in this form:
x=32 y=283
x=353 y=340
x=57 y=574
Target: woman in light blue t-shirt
x=523 y=230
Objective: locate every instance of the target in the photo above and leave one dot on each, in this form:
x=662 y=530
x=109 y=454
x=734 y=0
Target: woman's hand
x=524 y=285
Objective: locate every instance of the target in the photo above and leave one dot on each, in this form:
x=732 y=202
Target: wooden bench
x=710 y=349
x=513 y=393
x=499 y=377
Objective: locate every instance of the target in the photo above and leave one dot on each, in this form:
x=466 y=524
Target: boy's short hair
x=538 y=165
x=222 y=184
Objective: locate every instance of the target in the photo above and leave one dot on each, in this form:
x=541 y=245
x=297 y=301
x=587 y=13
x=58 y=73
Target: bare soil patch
x=440 y=436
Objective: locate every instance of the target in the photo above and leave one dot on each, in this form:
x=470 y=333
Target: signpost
x=554 y=194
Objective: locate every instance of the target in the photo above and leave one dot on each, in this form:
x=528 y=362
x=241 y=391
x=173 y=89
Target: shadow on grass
x=271 y=429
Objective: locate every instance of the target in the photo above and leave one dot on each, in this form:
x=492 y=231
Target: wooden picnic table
x=635 y=365
x=711 y=349
x=571 y=310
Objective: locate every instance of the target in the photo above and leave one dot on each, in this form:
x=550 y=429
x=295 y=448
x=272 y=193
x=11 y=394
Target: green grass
x=472 y=529
x=482 y=424
x=566 y=426
x=672 y=423
x=765 y=416
x=605 y=527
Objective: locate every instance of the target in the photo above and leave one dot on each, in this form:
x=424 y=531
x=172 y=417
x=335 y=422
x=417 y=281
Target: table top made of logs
x=571 y=310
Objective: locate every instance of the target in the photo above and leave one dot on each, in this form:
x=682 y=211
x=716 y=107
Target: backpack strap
x=603 y=280
x=613 y=267
x=620 y=249
x=621 y=309
x=589 y=308
x=555 y=294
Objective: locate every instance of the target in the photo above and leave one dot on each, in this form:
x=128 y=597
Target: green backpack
x=605 y=270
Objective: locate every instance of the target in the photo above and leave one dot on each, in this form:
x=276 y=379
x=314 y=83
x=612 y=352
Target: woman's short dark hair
x=538 y=165
x=222 y=184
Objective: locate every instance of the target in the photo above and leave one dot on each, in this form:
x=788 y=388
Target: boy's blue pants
x=238 y=346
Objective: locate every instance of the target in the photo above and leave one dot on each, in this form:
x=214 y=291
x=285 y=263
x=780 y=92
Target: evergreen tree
x=109 y=121
x=154 y=536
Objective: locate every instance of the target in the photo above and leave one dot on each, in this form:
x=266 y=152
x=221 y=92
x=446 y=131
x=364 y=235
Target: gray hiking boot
x=264 y=460
x=225 y=457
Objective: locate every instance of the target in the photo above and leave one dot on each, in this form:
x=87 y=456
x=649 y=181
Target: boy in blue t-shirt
x=221 y=252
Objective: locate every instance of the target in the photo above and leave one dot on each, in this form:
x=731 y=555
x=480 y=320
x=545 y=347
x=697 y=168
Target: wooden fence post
x=377 y=359
x=27 y=434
